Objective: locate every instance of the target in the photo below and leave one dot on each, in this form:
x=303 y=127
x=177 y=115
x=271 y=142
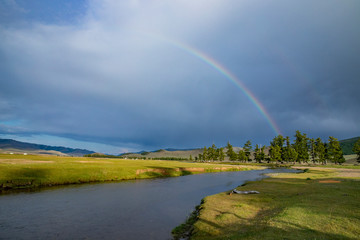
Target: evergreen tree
x=221 y=154
x=215 y=152
x=212 y=153
x=256 y=152
x=241 y=156
x=334 y=151
x=279 y=141
x=190 y=158
x=356 y=149
x=293 y=155
x=320 y=150
x=205 y=154
x=286 y=153
x=261 y=155
x=247 y=149
x=326 y=145
x=275 y=153
x=301 y=147
x=313 y=153
x=230 y=152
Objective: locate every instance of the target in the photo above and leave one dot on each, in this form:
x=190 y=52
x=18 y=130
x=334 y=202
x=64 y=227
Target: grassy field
x=29 y=171
x=317 y=204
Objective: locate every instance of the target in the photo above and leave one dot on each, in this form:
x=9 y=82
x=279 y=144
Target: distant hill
x=9 y=145
x=168 y=153
x=347 y=145
x=171 y=153
x=177 y=149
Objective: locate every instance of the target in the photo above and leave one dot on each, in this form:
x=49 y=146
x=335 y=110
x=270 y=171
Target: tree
x=190 y=158
x=256 y=152
x=212 y=153
x=259 y=154
x=230 y=152
x=275 y=153
x=286 y=153
x=320 y=150
x=215 y=152
x=221 y=154
x=334 y=151
x=241 y=156
x=279 y=141
x=356 y=149
x=247 y=149
x=293 y=155
x=313 y=153
x=301 y=146
x=205 y=154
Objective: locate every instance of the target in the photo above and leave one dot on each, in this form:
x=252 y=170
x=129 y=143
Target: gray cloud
x=116 y=78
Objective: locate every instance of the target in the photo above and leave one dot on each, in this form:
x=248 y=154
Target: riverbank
x=321 y=203
x=33 y=171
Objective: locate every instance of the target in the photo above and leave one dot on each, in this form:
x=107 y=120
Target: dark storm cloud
x=116 y=77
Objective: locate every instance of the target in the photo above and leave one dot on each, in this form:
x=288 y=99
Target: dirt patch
x=329 y=181
x=191 y=169
x=22 y=161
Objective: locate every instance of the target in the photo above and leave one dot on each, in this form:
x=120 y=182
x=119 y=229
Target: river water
x=136 y=209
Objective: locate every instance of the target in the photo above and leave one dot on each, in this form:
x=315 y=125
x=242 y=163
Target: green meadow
x=29 y=171
x=316 y=204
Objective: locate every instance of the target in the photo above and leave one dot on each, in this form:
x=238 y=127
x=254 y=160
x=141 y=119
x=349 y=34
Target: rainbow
x=221 y=69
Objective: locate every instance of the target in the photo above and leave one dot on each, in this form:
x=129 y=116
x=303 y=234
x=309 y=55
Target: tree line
x=301 y=150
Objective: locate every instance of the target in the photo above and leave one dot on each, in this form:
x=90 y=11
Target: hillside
x=347 y=145
x=9 y=145
x=171 y=153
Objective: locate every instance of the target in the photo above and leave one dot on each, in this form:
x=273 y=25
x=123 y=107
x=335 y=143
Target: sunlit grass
x=289 y=206
x=28 y=171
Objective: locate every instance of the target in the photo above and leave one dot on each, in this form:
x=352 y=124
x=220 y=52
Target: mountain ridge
x=11 y=145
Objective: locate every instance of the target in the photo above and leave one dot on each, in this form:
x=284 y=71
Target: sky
x=122 y=76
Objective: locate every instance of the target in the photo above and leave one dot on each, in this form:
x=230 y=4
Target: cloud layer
x=114 y=76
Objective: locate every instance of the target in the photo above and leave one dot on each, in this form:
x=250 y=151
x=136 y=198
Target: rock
x=244 y=192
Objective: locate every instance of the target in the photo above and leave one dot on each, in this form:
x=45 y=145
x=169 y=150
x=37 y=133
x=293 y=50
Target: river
x=136 y=209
